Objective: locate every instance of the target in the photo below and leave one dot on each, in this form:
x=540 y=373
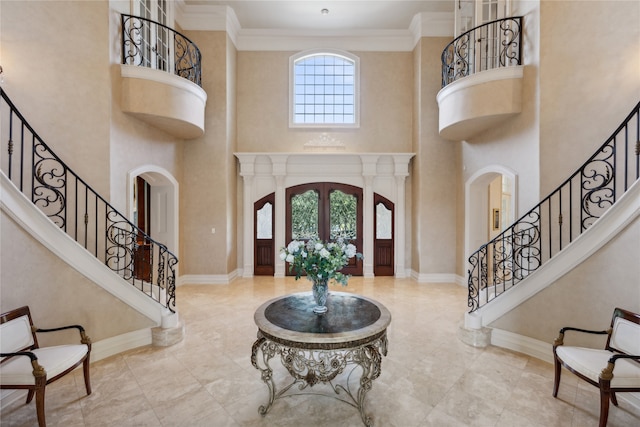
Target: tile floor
x=429 y=378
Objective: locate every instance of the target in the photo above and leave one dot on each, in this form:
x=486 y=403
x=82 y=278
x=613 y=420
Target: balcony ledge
x=165 y=101
x=475 y=103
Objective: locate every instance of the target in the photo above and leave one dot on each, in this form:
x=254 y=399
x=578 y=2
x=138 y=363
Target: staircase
x=601 y=197
x=51 y=202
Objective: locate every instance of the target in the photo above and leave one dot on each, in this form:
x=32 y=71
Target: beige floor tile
x=429 y=377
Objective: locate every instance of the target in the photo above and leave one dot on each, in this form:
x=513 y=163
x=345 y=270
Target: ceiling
x=342 y=15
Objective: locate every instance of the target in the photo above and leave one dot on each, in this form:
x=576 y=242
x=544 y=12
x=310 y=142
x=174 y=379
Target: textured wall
x=57 y=295
x=586 y=296
x=589 y=79
x=435 y=193
x=385 y=115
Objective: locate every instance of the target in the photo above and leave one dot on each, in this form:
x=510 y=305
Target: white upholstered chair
x=614 y=369
x=24 y=365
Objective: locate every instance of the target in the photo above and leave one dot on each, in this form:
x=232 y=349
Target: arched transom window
x=324 y=89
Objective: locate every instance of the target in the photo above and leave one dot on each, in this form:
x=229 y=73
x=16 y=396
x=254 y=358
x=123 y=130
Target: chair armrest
x=607 y=373
x=560 y=339
x=615 y=357
x=84 y=339
x=20 y=353
x=38 y=370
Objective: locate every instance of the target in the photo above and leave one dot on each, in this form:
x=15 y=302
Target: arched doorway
x=490 y=200
x=326 y=211
x=153 y=202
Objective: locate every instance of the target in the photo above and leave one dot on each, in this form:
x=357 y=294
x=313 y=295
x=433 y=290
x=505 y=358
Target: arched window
x=324 y=89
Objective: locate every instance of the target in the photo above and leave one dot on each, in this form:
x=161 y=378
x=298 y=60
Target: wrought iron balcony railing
x=83 y=214
x=496 y=44
x=150 y=44
x=559 y=218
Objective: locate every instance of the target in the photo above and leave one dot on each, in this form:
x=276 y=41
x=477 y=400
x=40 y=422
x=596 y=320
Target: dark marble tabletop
x=345 y=313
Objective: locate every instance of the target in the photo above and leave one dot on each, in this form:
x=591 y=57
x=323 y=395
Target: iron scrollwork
x=50 y=180
x=537 y=236
x=495 y=44
x=139 y=48
x=598 y=192
x=83 y=214
x=309 y=367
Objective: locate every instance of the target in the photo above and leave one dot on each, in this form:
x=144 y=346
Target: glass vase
x=320 y=291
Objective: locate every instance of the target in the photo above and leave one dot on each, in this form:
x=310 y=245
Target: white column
x=367 y=224
x=280 y=218
x=247 y=173
x=279 y=172
x=369 y=171
x=400 y=237
x=401 y=172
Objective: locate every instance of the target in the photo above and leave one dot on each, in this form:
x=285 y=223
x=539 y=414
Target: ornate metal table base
x=309 y=365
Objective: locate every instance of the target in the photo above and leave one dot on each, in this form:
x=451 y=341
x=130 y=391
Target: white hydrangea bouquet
x=319 y=260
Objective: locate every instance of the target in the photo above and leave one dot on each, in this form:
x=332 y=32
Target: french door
x=326 y=211
x=484 y=44
x=157 y=49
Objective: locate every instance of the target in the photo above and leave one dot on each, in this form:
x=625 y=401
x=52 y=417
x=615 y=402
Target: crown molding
x=223 y=18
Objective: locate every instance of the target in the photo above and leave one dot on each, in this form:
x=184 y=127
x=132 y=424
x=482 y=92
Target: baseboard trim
x=118 y=344
x=543 y=351
x=437 y=278
x=529 y=346
x=207 y=279
x=99 y=350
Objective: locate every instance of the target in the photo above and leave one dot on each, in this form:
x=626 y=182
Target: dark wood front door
x=263 y=224
x=142 y=248
x=326 y=211
x=383 y=245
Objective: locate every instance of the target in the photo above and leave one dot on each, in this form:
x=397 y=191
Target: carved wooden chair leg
x=87 y=378
x=40 y=407
x=556 y=380
x=604 y=407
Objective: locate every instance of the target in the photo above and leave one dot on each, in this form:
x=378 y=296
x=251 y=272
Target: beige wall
x=133 y=143
x=435 y=180
x=589 y=80
x=60 y=61
x=56 y=70
x=386 y=104
x=515 y=143
x=57 y=295
x=586 y=296
x=386 y=84
x=232 y=220
x=208 y=185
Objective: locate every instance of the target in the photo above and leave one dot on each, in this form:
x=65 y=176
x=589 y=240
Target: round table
x=317 y=348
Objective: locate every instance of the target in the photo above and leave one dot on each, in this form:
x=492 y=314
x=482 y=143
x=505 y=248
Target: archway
x=162 y=202
x=484 y=216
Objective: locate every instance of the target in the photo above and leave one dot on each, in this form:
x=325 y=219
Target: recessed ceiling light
x=325 y=11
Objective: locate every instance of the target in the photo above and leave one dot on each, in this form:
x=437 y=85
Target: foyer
x=429 y=377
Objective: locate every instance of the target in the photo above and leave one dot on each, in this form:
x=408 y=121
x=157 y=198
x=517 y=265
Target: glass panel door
x=156 y=49
x=383 y=244
x=264 y=244
x=326 y=211
x=343 y=215
x=304 y=215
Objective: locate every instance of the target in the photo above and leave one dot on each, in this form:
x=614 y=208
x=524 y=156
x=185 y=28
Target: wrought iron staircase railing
x=83 y=214
x=496 y=44
x=559 y=218
x=150 y=44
